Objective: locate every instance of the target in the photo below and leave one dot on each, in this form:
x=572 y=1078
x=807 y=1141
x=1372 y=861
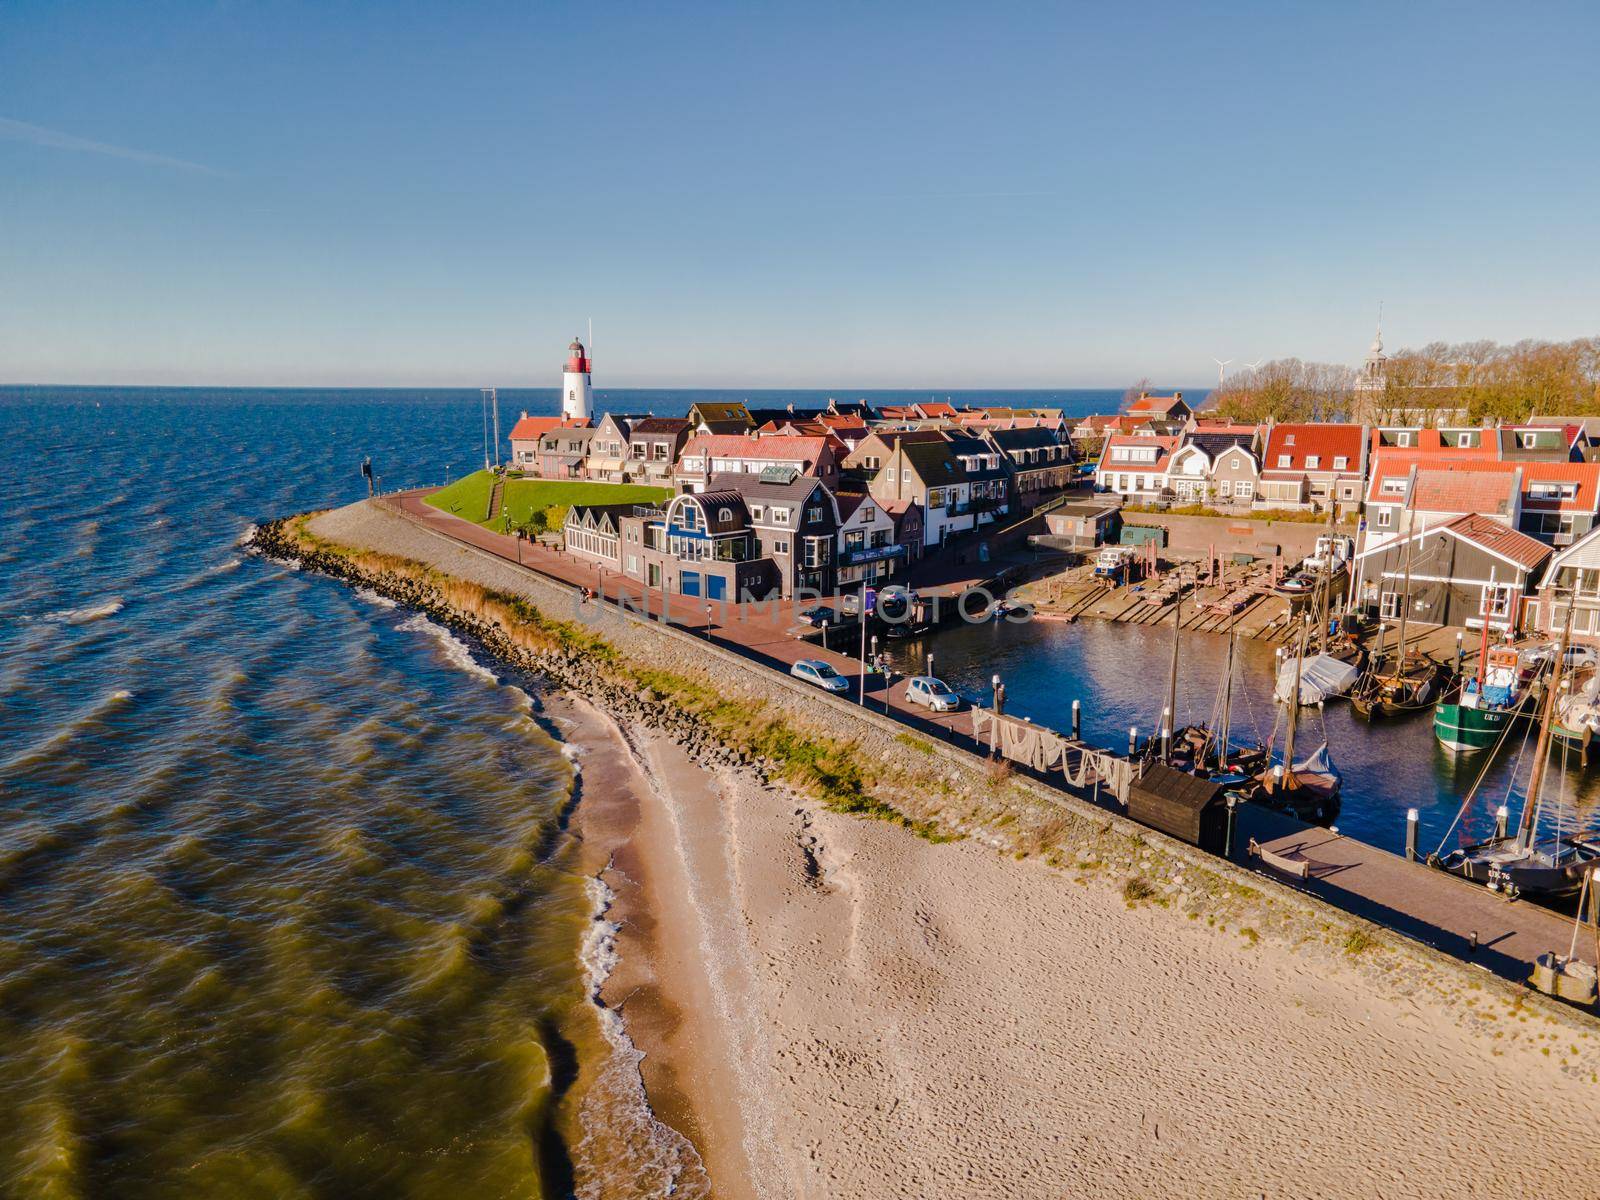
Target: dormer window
x=725 y=516
x=1288 y=439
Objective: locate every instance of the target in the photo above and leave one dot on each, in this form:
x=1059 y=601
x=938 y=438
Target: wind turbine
x=1222 y=365
x=1254 y=365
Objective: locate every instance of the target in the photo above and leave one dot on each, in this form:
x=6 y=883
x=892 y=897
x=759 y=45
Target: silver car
x=934 y=693
x=814 y=670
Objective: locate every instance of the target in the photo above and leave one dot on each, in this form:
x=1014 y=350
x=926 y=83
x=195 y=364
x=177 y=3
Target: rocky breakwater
x=505 y=628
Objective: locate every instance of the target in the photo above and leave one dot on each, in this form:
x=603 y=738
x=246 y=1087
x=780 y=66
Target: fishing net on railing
x=1044 y=750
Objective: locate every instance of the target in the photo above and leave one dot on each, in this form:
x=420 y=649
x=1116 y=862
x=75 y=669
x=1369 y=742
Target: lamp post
x=999 y=695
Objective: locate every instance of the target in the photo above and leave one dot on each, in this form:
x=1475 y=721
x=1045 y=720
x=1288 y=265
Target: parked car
x=934 y=693
x=816 y=616
x=815 y=671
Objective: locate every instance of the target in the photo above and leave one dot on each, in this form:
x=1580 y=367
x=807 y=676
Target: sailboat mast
x=1327 y=578
x=1227 y=698
x=1294 y=707
x=1172 y=678
x=1530 y=802
x=1405 y=608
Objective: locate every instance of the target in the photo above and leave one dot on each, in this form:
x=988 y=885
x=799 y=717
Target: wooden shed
x=1180 y=805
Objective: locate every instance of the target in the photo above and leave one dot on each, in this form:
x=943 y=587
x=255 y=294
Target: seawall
x=729 y=712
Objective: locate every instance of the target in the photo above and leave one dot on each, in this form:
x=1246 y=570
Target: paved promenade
x=1409 y=898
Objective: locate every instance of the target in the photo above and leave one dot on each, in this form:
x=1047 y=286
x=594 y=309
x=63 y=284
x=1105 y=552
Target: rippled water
x=1119 y=674
x=286 y=908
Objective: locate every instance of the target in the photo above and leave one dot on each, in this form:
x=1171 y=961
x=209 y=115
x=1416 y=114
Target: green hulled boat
x=1474 y=714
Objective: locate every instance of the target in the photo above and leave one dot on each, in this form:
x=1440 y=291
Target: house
x=919 y=466
x=708 y=454
x=988 y=471
x=931 y=411
x=1535 y=443
x=526 y=434
x=1557 y=502
x=1040 y=460
x=1169 y=408
x=1085 y=524
x=1134 y=466
x=1470 y=570
x=654 y=444
x=1570 y=583
x=1310 y=466
x=718 y=416
x=593 y=532
x=868 y=550
x=907 y=518
x=608 y=448
x=1089 y=433
x=699 y=544
x=795 y=523
x=564 y=452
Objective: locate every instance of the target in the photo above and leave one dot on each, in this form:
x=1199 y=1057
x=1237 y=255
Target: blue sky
x=807 y=195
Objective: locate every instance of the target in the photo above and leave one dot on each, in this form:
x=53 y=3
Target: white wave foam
x=249 y=532
x=121 y=694
x=223 y=568
x=372 y=597
x=89 y=612
x=622 y=1137
x=455 y=650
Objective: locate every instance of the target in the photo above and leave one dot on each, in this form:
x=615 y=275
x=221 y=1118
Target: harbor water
x=1119 y=673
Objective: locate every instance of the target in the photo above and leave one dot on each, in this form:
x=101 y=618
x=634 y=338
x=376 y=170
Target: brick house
x=1309 y=466
x=654 y=444
x=705 y=455
x=526 y=434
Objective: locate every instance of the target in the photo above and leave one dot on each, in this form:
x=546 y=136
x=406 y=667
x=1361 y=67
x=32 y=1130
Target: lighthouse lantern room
x=575 y=402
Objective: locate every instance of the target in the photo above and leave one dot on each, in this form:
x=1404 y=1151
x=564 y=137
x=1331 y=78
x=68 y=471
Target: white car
x=814 y=670
x=935 y=693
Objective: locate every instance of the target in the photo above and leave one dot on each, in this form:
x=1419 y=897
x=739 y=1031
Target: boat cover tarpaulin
x=1321 y=676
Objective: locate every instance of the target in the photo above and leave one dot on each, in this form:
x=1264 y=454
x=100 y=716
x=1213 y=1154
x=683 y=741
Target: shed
x=1139 y=535
x=1181 y=805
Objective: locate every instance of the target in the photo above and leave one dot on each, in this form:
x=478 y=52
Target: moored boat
x=1475 y=714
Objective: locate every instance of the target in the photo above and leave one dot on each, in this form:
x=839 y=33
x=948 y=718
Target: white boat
x=1321 y=676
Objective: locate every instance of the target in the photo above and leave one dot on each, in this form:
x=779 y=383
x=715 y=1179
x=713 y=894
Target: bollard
x=1472 y=941
x=1000 y=701
x=1166 y=734
x=1133 y=739
x=1227 y=844
x=999 y=693
x=930 y=663
x=1502 y=817
x=1077 y=724
x=1411 y=835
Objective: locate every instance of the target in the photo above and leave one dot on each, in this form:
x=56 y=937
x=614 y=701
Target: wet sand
x=831 y=1007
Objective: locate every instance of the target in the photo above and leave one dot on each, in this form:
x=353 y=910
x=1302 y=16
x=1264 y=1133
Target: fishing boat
x=1407 y=684
x=1577 y=715
x=1478 y=710
x=1524 y=863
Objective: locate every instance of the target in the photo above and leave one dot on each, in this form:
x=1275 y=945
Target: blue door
x=689 y=583
x=716 y=587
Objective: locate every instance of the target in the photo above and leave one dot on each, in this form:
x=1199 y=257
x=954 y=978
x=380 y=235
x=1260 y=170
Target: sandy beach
x=833 y=1007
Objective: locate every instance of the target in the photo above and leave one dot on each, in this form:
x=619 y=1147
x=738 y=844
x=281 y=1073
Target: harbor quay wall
x=937 y=789
x=1195 y=535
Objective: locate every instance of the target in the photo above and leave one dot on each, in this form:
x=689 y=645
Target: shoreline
x=940 y=1018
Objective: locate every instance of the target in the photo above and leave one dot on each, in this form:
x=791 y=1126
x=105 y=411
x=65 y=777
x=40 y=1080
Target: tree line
x=1467 y=382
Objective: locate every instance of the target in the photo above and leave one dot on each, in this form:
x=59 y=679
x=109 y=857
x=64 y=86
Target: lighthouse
x=575 y=383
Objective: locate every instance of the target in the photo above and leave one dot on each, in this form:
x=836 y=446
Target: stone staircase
x=496 y=496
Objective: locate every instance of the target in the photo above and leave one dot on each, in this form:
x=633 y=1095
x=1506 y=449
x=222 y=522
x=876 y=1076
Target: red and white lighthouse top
x=577 y=358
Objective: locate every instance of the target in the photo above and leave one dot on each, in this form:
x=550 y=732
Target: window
x=724 y=516
x=1463 y=439
x=1284 y=460
x=1244 y=490
x=1496 y=602
x=1288 y=439
x=871 y=462
x=757 y=512
x=780 y=546
x=660 y=451
x=1389 y=606
x=889 y=474
x=1313 y=461
x=1382 y=518
x=1403 y=438
x=637 y=450
x=633 y=564
x=780 y=516
x=935 y=498
x=814 y=514
x=1527 y=440
x=868 y=513
x=1392 y=485
x=855 y=539
x=1552 y=491
x=1341 y=462
x=1225 y=489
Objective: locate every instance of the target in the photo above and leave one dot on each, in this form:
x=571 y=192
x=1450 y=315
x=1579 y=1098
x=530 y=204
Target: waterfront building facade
x=1469 y=571
x=1040 y=460
x=564 y=452
x=526 y=437
x=1570 y=584
x=868 y=550
x=608 y=448
x=1134 y=466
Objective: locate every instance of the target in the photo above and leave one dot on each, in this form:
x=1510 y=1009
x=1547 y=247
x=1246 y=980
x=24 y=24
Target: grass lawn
x=468 y=497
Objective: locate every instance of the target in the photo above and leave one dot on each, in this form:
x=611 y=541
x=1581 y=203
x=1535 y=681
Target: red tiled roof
x=1585 y=475
x=1395 y=462
x=1155 y=404
x=1464 y=490
x=1391 y=464
x=740 y=445
x=532 y=428
x=1165 y=446
x=1500 y=539
x=1325 y=442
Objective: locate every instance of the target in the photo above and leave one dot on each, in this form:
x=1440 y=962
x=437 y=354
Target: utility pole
x=491 y=402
